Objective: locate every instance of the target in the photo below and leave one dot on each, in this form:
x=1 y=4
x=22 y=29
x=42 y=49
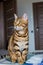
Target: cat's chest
x=22 y=44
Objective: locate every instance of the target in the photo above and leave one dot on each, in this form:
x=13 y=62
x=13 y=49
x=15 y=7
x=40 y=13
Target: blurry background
x=7 y=10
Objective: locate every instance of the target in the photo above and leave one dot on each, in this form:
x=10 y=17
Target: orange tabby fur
x=18 y=43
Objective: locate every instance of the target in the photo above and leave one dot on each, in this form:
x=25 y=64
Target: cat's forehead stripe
x=19 y=18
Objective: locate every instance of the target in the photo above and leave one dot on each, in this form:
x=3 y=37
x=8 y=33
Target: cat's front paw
x=13 y=61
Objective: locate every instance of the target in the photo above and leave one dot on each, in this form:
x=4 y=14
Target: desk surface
x=6 y=62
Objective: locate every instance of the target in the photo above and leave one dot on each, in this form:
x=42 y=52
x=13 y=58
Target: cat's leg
x=19 y=57
x=13 y=57
x=24 y=55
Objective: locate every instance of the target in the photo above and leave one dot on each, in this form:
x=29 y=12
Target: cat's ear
x=15 y=16
x=25 y=17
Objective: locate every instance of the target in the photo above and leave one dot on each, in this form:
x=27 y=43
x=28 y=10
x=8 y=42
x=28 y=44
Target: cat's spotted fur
x=18 y=43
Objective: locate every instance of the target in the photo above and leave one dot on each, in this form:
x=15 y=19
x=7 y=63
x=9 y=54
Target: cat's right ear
x=15 y=16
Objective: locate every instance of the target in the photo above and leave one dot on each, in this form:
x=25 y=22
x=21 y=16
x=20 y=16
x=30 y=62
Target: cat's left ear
x=15 y=16
x=25 y=17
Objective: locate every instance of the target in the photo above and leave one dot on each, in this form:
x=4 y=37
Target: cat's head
x=20 y=22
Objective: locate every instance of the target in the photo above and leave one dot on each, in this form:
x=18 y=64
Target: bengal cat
x=18 y=43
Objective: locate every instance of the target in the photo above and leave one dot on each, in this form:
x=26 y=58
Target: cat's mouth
x=18 y=27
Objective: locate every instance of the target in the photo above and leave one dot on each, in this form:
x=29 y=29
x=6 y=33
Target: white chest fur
x=22 y=44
